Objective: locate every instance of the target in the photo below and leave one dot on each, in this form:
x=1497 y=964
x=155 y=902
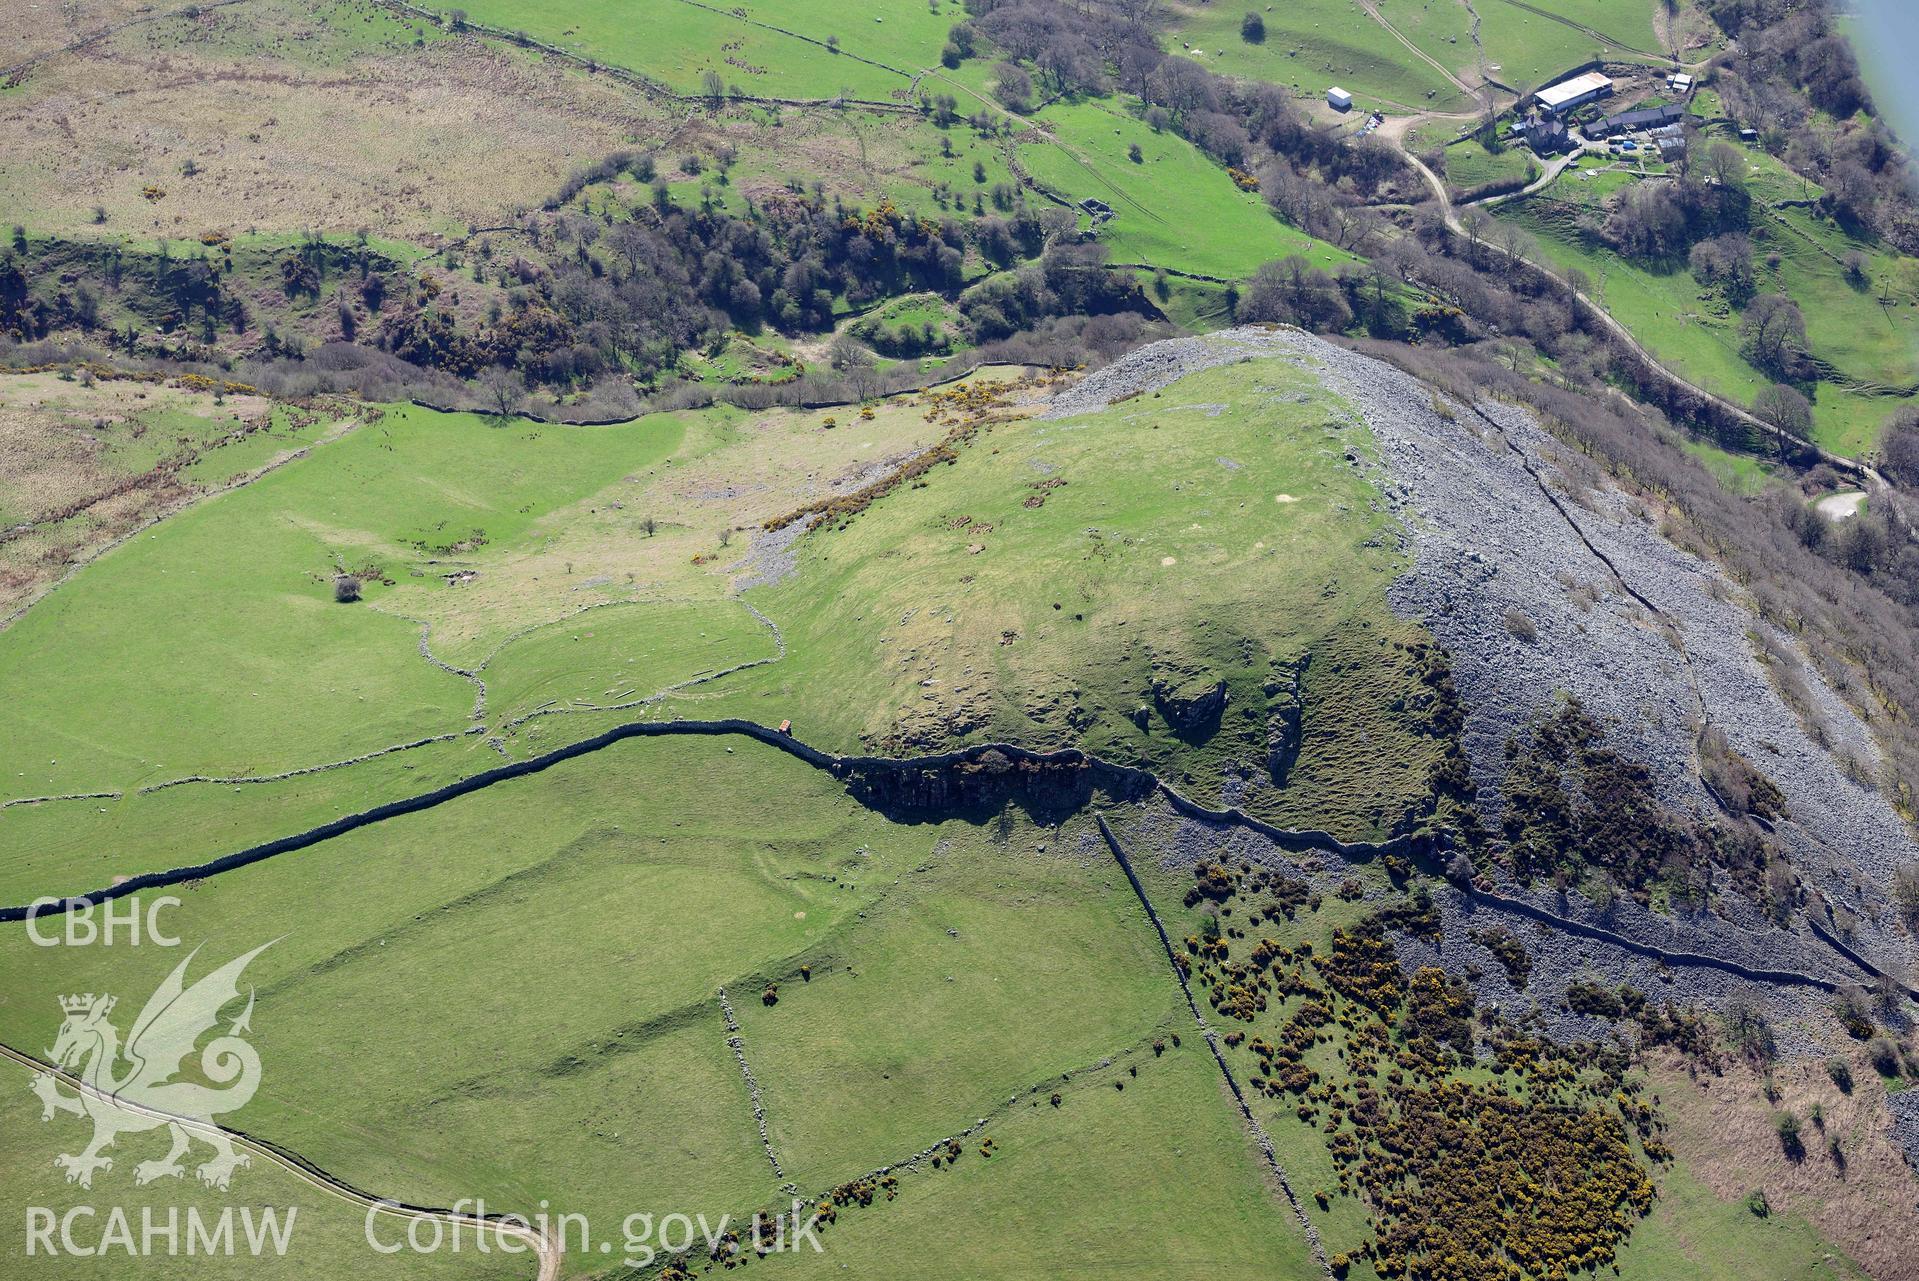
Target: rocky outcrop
x=1191 y=701
x=1285 y=717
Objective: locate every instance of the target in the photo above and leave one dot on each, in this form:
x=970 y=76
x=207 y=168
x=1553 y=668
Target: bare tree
x=503 y=390
x=1786 y=409
x=1725 y=164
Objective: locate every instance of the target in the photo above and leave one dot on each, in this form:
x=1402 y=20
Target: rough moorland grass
x=212 y=644
x=88 y=464
x=728 y=471
x=677 y=43
x=1155 y=1180
x=1692 y=1233
x=327 y=1236
x=1040 y=588
x=1311 y=45
x=1176 y=208
x=524 y=983
x=288 y=110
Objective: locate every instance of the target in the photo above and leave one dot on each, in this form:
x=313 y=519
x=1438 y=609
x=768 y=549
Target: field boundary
x=1114 y=778
x=1211 y=1038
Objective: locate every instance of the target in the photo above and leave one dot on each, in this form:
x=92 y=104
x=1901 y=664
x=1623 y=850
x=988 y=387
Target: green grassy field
x=858 y=1062
x=1470 y=165
x=1110 y=1184
x=1739 y=473
x=1312 y=45
x=326 y=1236
x=771 y=48
x=1176 y=208
x=1530 y=50
x=566 y=515
x=525 y=982
x=213 y=644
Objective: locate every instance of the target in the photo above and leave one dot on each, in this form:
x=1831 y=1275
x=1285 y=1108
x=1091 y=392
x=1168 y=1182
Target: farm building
x=1644 y=118
x=1547 y=135
x=1575 y=92
x=1338 y=99
x=1680 y=83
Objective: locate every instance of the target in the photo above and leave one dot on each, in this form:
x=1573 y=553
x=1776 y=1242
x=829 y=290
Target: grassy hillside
x=1096 y=580
x=1313 y=45
x=1175 y=207
x=773 y=48
x=1534 y=44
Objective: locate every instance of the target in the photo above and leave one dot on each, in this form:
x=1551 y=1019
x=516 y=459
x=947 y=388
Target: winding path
x=1619 y=332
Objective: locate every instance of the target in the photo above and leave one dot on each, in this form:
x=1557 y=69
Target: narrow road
x=547 y=1250
x=1839 y=462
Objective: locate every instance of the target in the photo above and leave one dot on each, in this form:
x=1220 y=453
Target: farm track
x=299 y=1167
x=1372 y=11
x=1839 y=462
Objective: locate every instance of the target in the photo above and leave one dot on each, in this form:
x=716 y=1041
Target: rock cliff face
x=984 y=780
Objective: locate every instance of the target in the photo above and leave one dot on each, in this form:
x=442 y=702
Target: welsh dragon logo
x=138 y=1086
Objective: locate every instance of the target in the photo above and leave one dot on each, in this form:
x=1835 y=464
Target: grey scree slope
x=1651 y=639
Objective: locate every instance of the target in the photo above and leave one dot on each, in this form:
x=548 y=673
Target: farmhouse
x=1575 y=92
x=1338 y=99
x=1547 y=135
